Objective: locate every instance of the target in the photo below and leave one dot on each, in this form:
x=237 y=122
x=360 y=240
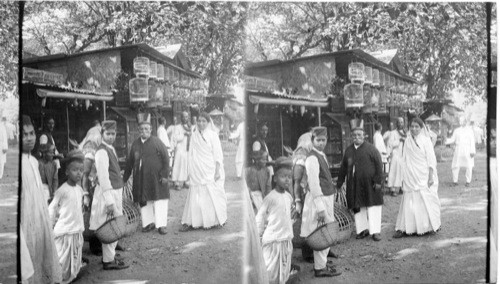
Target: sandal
x=398 y=235
x=326 y=272
x=114 y=265
x=186 y=228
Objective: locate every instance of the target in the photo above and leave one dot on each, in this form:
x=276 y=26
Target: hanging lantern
x=141 y=66
x=367 y=99
x=44 y=102
x=256 y=108
x=375 y=100
x=176 y=77
x=368 y=75
x=357 y=72
x=138 y=90
x=375 y=77
x=152 y=69
x=87 y=104
x=353 y=96
x=160 y=72
x=383 y=101
x=302 y=110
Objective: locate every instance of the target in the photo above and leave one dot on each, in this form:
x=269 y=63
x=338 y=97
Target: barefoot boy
x=66 y=211
x=258 y=178
x=275 y=224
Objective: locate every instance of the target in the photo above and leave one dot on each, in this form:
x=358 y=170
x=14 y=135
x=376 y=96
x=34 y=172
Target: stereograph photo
x=248 y=142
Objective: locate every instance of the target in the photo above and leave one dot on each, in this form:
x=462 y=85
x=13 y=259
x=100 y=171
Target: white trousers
x=3 y=160
x=369 y=218
x=320 y=258
x=468 y=174
x=108 y=252
x=155 y=212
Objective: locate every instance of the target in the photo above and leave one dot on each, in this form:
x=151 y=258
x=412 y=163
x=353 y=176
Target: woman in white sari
x=206 y=204
x=420 y=209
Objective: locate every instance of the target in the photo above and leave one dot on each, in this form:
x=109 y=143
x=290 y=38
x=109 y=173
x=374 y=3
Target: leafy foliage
x=443 y=45
x=9 y=34
x=211 y=33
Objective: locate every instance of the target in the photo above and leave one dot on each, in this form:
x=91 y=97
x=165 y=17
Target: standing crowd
x=301 y=188
x=52 y=212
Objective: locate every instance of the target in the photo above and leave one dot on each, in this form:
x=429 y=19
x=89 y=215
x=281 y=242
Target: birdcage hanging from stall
x=367 y=99
x=141 y=66
x=353 y=96
x=368 y=75
x=356 y=72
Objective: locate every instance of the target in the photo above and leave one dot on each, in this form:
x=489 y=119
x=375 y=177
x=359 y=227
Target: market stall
x=113 y=83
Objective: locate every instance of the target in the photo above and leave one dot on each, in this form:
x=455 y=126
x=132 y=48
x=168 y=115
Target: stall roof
x=277 y=98
x=144 y=47
x=356 y=53
x=70 y=93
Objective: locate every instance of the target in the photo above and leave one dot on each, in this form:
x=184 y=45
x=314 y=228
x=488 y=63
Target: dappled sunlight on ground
x=192 y=246
x=8 y=235
x=125 y=282
x=12 y=201
x=457 y=241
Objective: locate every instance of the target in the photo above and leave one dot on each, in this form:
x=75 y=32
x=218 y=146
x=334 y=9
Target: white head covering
x=304 y=146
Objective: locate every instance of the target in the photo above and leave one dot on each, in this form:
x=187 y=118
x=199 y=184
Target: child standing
x=48 y=170
x=258 y=178
x=65 y=211
x=274 y=223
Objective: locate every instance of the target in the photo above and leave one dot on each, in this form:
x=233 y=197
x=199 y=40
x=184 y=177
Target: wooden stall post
x=281 y=131
x=319 y=116
x=104 y=110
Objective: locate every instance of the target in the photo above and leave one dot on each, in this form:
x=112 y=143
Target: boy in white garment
x=274 y=222
x=65 y=211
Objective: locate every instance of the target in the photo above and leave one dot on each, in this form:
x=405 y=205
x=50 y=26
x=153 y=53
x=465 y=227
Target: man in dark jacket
x=362 y=166
x=148 y=158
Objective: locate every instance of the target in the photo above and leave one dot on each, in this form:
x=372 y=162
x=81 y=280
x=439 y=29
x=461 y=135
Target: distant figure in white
x=465 y=149
x=162 y=132
x=180 y=138
x=4 y=145
x=395 y=150
x=240 y=153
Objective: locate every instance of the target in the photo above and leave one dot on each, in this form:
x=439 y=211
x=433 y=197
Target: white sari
x=206 y=204
x=420 y=209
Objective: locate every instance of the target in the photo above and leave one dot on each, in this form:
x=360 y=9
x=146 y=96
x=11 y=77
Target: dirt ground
x=456 y=254
x=8 y=217
x=201 y=256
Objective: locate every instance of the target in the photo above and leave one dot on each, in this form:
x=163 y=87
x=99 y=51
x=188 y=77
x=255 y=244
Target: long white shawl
x=418 y=157
x=205 y=150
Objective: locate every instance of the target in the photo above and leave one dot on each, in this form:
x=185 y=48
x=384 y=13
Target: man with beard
x=465 y=150
x=260 y=143
x=180 y=138
x=361 y=169
x=148 y=159
x=395 y=150
x=39 y=259
x=46 y=138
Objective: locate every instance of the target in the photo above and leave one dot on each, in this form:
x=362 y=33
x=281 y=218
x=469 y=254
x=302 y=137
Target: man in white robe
x=319 y=200
x=181 y=137
x=240 y=153
x=162 y=133
x=39 y=259
x=395 y=150
x=108 y=192
x=4 y=145
x=465 y=149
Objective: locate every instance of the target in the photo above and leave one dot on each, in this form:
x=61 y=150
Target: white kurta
x=256 y=147
x=463 y=138
x=378 y=142
x=206 y=203
x=180 y=168
x=36 y=227
x=93 y=135
x=276 y=228
x=4 y=145
x=419 y=211
x=314 y=203
x=395 y=149
x=65 y=211
x=240 y=153
x=162 y=134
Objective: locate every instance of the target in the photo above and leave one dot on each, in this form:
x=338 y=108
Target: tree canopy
x=443 y=45
x=211 y=32
x=9 y=35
